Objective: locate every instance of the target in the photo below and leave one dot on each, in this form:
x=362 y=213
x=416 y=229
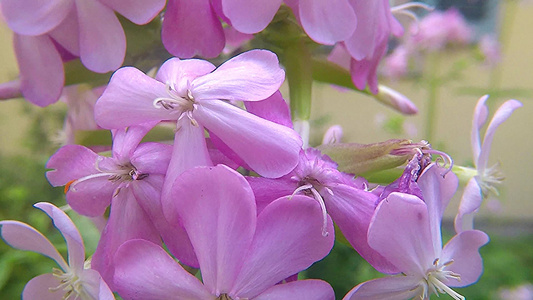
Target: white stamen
x=320 y=201
x=411 y=5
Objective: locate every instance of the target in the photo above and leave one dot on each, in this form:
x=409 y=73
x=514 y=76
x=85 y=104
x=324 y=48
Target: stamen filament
x=444 y=288
x=411 y=5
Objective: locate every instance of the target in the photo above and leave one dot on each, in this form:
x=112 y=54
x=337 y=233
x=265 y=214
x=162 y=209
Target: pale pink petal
x=303 y=289
x=34 y=17
x=470 y=202
x=76 y=249
x=327 y=22
x=24 y=237
x=217 y=209
x=463 y=250
x=127 y=221
x=364 y=72
x=152 y=158
x=95 y=286
x=178 y=74
x=388 y=288
x=250 y=16
x=129 y=100
x=125 y=140
x=248 y=135
x=218 y=156
x=437 y=192
x=363 y=42
x=138 y=11
x=252 y=76
x=102 y=39
x=340 y=56
x=71 y=162
x=288 y=239
x=267 y=190
x=273 y=108
x=500 y=116
x=227 y=152
x=400 y=231
x=190 y=28
x=148 y=195
x=352 y=209
x=41 y=69
x=481 y=112
x=91 y=197
x=41 y=287
x=189 y=151
x=66 y=34
x=145 y=271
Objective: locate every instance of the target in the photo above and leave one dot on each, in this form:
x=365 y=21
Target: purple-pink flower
x=74 y=280
x=405 y=229
x=242 y=255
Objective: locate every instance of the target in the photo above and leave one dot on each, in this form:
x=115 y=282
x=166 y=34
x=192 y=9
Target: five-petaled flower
x=74 y=280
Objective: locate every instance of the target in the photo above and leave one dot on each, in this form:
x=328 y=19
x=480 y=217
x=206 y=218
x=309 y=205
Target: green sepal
x=362 y=159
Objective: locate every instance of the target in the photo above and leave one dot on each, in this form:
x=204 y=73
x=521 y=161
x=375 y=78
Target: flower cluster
x=235 y=204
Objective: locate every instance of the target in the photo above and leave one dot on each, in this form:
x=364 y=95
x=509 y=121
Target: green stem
x=299 y=71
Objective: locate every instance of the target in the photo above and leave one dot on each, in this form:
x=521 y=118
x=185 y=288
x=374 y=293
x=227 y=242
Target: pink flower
x=326 y=22
x=74 y=279
x=195 y=95
x=242 y=255
x=130 y=181
x=491 y=49
x=406 y=230
x=484 y=178
x=439 y=29
x=80 y=102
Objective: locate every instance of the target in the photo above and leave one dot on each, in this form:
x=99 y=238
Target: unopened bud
x=396 y=100
x=358 y=159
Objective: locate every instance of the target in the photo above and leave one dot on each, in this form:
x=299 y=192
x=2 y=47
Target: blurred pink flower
x=88 y=29
x=485 y=179
x=74 y=280
x=439 y=29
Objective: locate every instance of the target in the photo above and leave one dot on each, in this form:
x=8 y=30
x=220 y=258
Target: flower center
x=124 y=173
x=224 y=297
x=71 y=284
x=434 y=281
x=175 y=103
x=489 y=179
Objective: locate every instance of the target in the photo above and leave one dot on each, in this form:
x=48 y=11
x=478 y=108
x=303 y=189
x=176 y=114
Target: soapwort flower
x=406 y=230
x=195 y=95
x=242 y=255
x=130 y=181
x=73 y=280
x=483 y=179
